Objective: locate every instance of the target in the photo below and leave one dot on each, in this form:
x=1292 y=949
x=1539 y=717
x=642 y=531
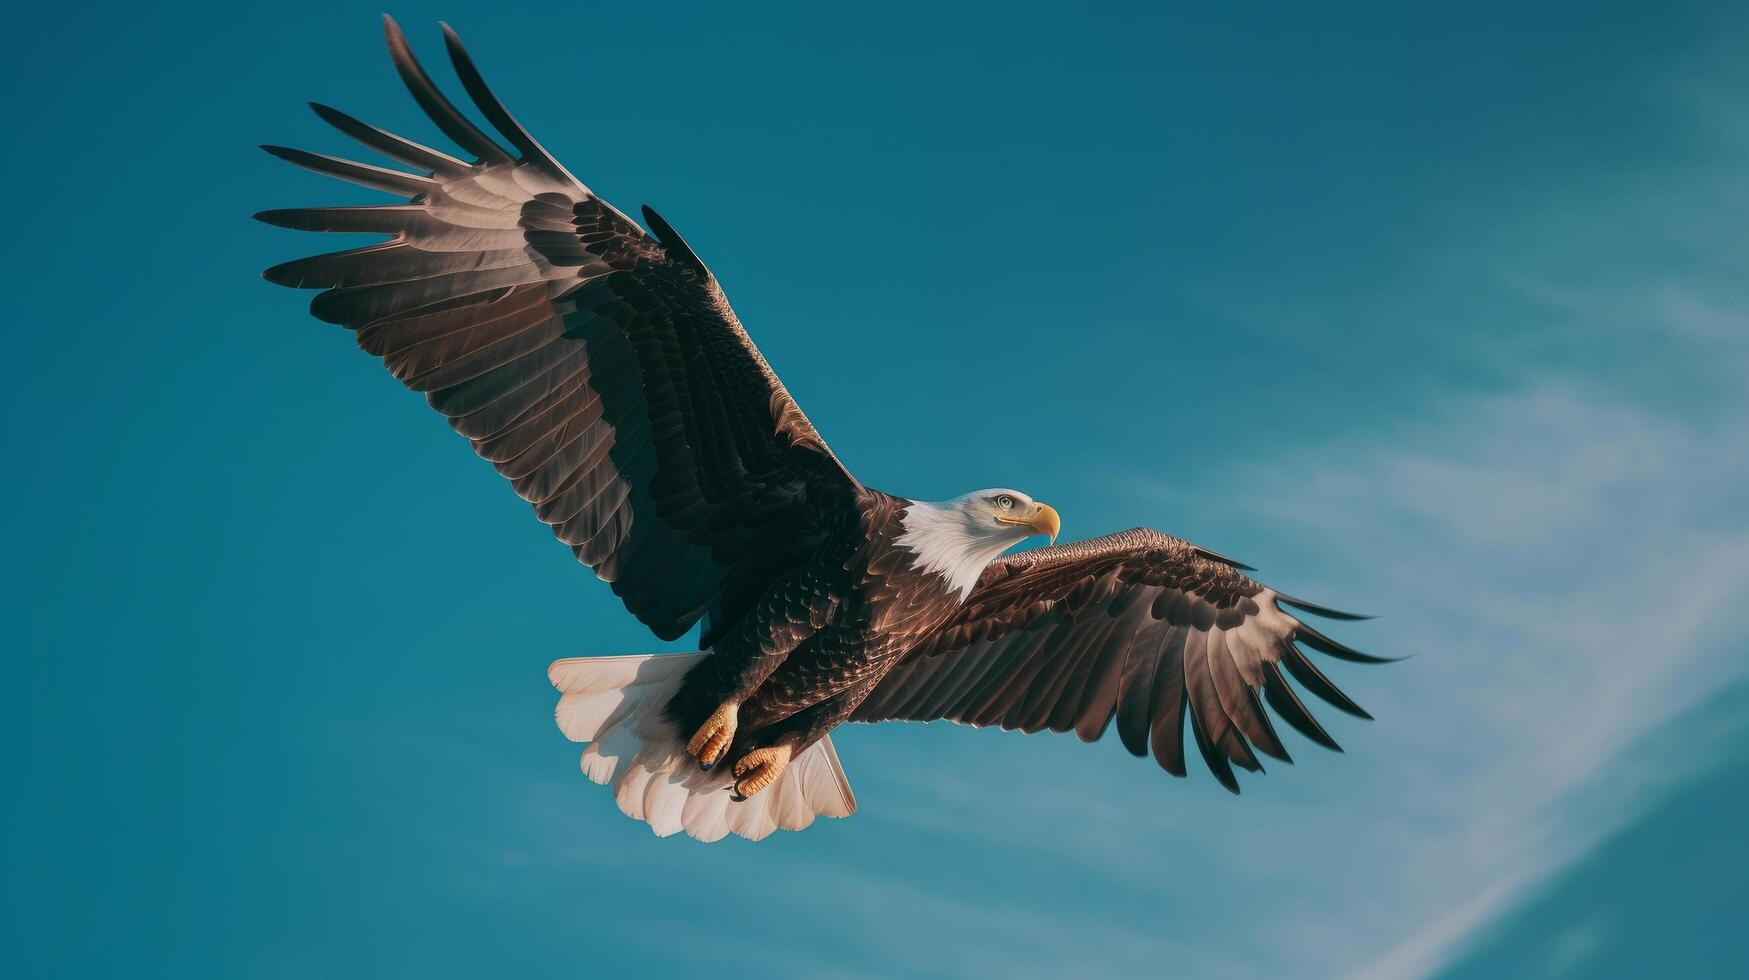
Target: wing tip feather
x=1213 y=555
x=443 y=112
x=1325 y=645
x=1324 y=611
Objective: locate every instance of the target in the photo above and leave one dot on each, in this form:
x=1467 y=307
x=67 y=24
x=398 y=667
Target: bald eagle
x=598 y=366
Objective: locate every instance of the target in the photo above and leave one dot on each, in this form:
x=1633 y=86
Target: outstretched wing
x=600 y=370
x=1136 y=626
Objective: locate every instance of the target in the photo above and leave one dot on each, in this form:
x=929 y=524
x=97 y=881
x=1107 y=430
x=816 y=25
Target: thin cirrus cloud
x=1563 y=543
x=1569 y=552
x=1549 y=559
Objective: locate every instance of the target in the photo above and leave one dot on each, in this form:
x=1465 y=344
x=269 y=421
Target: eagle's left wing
x=1136 y=626
x=599 y=369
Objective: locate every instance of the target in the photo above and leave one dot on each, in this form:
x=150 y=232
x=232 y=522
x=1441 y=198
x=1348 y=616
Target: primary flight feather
x=599 y=367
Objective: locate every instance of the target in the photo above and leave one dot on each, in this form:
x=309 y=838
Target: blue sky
x=1442 y=316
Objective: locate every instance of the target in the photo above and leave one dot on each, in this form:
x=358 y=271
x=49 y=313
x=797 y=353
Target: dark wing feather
x=600 y=371
x=1137 y=627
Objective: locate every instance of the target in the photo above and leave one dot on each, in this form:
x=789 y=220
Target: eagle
x=597 y=365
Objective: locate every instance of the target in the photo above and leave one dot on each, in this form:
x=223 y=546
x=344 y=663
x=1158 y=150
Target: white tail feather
x=615 y=704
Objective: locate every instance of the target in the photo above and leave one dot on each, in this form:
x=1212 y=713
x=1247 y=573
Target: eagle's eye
x=1005 y=502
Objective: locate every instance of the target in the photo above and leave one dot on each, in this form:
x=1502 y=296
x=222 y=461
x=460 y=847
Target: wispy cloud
x=1587 y=537
x=1569 y=564
x=1568 y=550
x=1571 y=595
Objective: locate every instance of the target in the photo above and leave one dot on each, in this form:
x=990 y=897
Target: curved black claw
x=736 y=797
x=704 y=767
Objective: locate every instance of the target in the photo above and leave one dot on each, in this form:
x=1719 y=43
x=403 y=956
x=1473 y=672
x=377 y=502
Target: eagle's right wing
x=1137 y=627
x=600 y=370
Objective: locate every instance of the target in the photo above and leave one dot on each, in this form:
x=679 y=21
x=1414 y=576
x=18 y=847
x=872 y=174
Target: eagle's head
x=957 y=538
x=1000 y=514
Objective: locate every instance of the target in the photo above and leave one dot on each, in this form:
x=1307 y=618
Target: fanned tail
x=615 y=704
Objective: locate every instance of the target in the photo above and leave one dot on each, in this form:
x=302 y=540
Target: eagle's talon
x=712 y=739
x=760 y=768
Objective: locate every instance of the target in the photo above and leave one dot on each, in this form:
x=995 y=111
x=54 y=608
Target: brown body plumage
x=823 y=636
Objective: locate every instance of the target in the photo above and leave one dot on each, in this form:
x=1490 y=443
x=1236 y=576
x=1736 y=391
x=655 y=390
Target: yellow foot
x=760 y=768
x=713 y=737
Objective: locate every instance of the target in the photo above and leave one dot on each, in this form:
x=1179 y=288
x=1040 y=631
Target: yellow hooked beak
x=1043 y=520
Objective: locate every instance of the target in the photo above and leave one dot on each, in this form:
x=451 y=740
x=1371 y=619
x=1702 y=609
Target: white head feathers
x=958 y=538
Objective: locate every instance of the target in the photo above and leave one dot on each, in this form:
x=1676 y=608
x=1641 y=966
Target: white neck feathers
x=947 y=545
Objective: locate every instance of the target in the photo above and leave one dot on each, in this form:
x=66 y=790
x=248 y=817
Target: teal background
x=1441 y=315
